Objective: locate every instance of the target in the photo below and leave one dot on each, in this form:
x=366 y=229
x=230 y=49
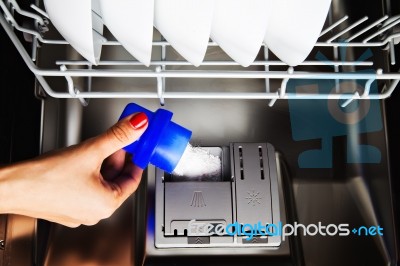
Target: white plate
x=186 y=25
x=294 y=27
x=239 y=28
x=79 y=25
x=131 y=23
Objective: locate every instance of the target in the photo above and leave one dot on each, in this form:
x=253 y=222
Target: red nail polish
x=138 y=121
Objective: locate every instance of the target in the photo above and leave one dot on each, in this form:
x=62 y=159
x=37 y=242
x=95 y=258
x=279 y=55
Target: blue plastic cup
x=162 y=144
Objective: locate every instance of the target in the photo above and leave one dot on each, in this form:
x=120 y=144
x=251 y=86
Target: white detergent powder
x=196 y=162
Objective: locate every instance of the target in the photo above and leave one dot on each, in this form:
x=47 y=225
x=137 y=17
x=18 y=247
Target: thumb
x=123 y=133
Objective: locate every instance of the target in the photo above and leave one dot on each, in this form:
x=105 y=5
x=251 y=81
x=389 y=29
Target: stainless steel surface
x=17 y=246
x=358 y=194
x=110 y=242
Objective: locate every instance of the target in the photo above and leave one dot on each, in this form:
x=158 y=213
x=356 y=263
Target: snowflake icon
x=253 y=197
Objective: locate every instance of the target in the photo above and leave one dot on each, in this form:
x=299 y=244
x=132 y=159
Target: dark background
x=393 y=129
x=19 y=109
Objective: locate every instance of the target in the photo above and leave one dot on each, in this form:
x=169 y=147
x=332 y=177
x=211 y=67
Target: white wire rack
x=379 y=33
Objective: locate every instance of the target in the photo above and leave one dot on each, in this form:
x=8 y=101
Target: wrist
x=11 y=188
x=5 y=188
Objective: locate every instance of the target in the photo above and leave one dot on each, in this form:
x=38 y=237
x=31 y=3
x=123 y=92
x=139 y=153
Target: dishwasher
x=299 y=145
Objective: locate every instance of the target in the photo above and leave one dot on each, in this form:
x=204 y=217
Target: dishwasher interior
x=291 y=151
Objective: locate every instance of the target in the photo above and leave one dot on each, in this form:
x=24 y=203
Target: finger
x=123 y=133
x=128 y=181
x=113 y=165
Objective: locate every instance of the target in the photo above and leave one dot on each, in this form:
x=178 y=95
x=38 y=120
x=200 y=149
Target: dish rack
x=381 y=33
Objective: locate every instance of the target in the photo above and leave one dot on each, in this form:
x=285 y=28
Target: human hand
x=81 y=184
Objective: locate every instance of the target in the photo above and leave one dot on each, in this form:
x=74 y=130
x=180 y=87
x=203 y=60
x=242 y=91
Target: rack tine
x=367 y=88
x=10 y=18
x=273 y=101
x=356 y=96
x=163 y=68
x=83 y=101
x=368 y=84
x=392 y=52
x=355 y=24
x=282 y=90
x=391 y=25
x=266 y=68
x=367 y=28
x=40 y=11
x=71 y=88
x=334 y=25
x=160 y=87
x=26 y=13
x=366 y=92
x=387 y=92
x=284 y=83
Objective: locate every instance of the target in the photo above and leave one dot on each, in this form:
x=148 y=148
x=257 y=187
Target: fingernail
x=138 y=121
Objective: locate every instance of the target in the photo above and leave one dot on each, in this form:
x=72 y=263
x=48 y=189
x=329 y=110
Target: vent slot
x=260 y=152
x=241 y=162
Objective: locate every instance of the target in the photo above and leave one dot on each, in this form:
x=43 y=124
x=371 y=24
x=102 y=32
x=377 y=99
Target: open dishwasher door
x=307 y=163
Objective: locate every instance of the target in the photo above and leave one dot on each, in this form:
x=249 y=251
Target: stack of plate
x=289 y=28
